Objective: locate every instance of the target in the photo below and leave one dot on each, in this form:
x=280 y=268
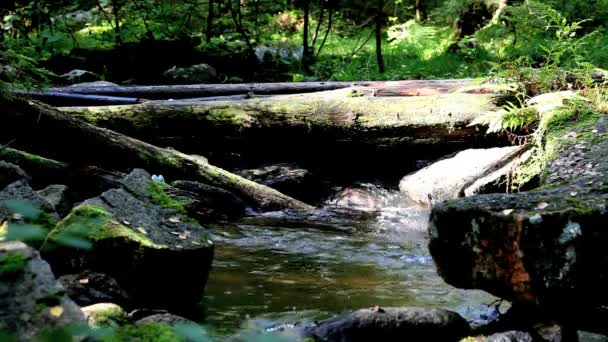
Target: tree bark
x=419 y=10
x=207 y=90
x=379 y=57
x=305 y=47
x=47 y=131
x=209 y=33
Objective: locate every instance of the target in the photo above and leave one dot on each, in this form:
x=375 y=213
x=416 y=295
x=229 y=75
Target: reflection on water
x=268 y=274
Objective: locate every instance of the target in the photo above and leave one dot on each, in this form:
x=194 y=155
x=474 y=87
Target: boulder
x=30 y=297
x=90 y=288
x=105 y=315
x=543 y=248
x=391 y=324
x=57 y=196
x=460 y=174
x=24 y=207
x=147 y=244
x=199 y=73
x=10 y=173
x=288 y=179
x=79 y=76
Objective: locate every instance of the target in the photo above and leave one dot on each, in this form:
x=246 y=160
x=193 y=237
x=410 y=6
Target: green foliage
x=18 y=71
x=12 y=264
x=511 y=118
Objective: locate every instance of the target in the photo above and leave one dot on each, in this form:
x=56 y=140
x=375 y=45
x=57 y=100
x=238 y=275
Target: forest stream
x=266 y=276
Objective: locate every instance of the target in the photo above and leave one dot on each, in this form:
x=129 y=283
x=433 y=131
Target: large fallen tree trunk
x=50 y=132
x=206 y=90
x=342 y=117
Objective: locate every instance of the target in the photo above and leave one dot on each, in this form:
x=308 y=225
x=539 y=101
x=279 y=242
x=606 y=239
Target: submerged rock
x=164 y=318
x=31 y=299
x=288 y=179
x=452 y=177
x=90 y=288
x=391 y=324
x=147 y=245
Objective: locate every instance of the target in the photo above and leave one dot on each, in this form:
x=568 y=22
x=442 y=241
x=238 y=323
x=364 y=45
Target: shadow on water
x=266 y=274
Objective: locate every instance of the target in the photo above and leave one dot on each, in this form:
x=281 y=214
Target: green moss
x=158 y=196
x=112 y=316
x=94 y=223
x=145 y=333
x=12 y=264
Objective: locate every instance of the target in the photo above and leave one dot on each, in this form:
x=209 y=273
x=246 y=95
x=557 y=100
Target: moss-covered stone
x=12 y=264
x=545 y=246
x=148 y=249
x=144 y=333
x=105 y=315
x=94 y=223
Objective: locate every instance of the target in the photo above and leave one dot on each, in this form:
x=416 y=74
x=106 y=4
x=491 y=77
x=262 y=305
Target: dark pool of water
x=266 y=275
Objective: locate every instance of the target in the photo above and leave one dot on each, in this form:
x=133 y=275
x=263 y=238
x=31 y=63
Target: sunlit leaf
x=56 y=311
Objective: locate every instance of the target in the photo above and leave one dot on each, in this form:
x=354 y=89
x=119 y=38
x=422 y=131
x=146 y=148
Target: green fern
x=511 y=118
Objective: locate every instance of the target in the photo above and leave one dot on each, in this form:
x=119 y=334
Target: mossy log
x=206 y=90
x=45 y=130
x=348 y=119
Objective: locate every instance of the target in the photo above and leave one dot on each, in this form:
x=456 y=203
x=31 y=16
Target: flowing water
x=270 y=271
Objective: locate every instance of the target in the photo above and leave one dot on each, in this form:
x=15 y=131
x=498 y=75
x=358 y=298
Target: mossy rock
x=544 y=247
x=105 y=315
x=146 y=248
x=144 y=333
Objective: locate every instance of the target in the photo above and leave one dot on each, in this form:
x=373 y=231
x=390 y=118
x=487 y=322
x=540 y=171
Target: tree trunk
x=305 y=47
x=50 y=132
x=209 y=22
x=379 y=57
x=205 y=90
x=342 y=120
x=116 y=13
x=419 y=10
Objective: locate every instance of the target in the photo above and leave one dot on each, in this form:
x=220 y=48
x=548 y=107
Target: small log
x=47 y=131
x=208 y=90
x=68 y=99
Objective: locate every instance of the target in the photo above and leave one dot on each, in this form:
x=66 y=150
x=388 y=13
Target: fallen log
x=208 y=90
x=308 y=121
x=47 y=131
x=69 y=99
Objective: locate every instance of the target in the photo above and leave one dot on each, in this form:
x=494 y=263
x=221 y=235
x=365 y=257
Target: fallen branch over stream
x=47 y=131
